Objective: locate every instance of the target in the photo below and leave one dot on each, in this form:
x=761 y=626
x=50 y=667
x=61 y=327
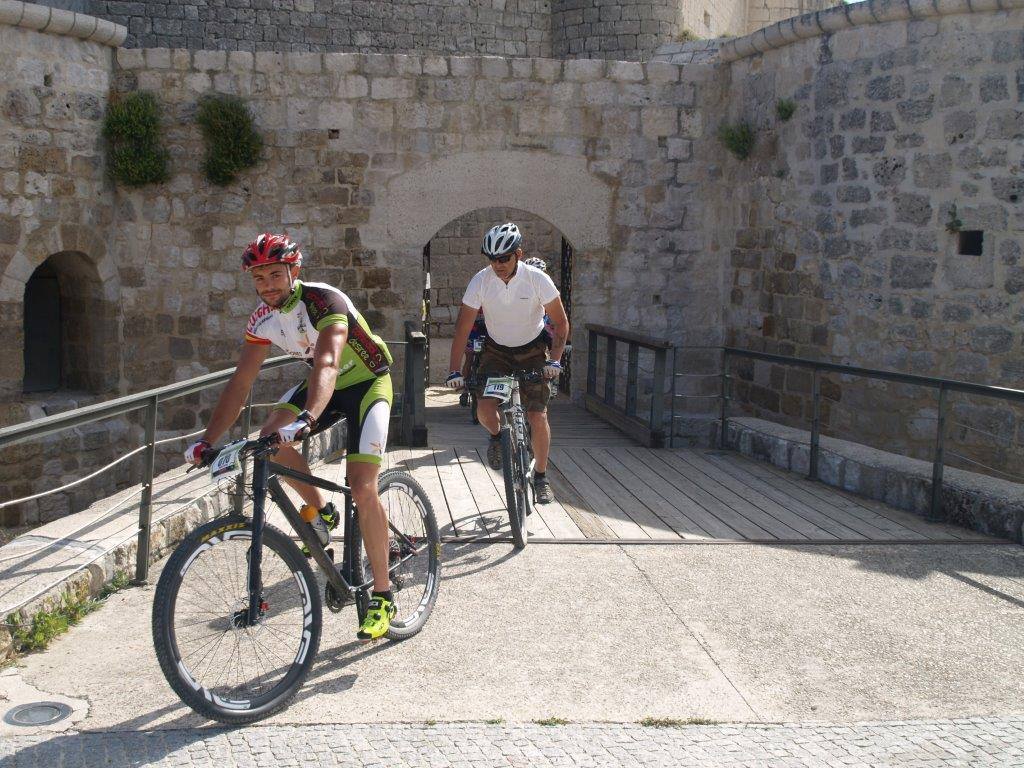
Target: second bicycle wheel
x=514 y=488
x=219 y=666
x=414 y=552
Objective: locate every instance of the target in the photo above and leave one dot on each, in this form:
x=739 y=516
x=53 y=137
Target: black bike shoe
x=494 y=454
x=464 y=399
x=542 y=493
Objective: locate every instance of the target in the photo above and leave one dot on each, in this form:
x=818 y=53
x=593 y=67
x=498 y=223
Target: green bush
x=232 y=143
x=785 y=108
x=132 y=130
x=686 y=35
x=738 y=139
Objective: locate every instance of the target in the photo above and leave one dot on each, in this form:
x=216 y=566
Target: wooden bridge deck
x=608 y=488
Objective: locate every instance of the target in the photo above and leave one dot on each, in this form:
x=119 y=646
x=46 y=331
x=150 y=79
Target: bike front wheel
x=219 y=665
x=515 y=488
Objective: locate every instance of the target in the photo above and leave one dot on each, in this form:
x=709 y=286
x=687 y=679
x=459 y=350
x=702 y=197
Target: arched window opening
x=67 y=337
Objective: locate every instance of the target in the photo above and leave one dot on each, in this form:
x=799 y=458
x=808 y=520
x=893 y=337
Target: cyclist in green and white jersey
x=349 y=377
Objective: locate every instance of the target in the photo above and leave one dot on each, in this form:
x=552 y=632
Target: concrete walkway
x=619 y=633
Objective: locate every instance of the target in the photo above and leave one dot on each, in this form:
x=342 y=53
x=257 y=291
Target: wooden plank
x=786 y=509
x=850 y=501
x=489 y=495
x=466 y=517
x=701 y=521
x=744 y=527
x=826 y=504
x=632 y=426
x=766 y=514
x=535 y=525
x=419 y=462
x=590 y=525
x=669 y=517
x=623 y=526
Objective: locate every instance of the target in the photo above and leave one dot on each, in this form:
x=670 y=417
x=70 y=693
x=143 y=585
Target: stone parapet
x=848 y=16
x=57 y=21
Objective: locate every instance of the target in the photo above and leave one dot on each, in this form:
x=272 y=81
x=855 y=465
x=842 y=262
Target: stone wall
x=495 y=27
x=838 y=233
x=55 y=201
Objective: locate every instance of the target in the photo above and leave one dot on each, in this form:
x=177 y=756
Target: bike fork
x=259 y=492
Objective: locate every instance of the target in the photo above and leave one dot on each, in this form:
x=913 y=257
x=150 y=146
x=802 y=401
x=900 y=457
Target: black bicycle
x=517 y=461
x=237 y=614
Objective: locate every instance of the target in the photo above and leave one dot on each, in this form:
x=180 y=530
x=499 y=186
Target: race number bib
x=227 y=463
x=499 y=387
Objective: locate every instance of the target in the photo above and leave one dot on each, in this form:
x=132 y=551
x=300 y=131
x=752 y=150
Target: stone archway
x=89 y=294
x=414 y=205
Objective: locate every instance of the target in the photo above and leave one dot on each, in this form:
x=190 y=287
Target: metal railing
x=413 y=427
x=649 y=431
x=944 y=387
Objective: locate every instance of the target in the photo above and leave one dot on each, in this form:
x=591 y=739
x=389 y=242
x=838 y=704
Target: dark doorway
x=42 y=331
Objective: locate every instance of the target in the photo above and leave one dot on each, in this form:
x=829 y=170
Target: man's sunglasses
x=501 y=259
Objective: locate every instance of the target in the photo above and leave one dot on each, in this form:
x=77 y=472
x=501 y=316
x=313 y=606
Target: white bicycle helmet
x=501 y=239
x=536 y=261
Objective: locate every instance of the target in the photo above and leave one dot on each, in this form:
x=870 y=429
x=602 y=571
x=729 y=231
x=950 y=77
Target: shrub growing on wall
x=738 y=139
x=232 y=143
x=132 y=130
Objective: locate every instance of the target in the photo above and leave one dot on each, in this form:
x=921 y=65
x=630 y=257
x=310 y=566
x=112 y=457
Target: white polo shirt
x=514 y=311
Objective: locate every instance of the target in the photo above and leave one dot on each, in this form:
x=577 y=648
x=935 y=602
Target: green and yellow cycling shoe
x=378 y=619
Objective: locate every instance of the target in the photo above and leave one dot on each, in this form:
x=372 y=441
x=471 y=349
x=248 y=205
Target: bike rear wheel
x=217 y=665
x=515 y=488
x=414 y=552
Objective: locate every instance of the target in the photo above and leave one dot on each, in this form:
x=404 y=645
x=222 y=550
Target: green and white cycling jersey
x=296 y=326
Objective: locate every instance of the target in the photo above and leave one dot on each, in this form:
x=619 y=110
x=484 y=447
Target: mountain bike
x=237 y=614
x=517 y=462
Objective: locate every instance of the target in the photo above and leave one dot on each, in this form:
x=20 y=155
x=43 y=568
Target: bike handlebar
x=261 y=445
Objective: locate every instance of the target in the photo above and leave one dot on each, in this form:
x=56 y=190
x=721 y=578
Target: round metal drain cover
x=40 y=713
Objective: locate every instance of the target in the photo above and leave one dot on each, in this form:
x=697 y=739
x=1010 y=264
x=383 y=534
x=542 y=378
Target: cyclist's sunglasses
x=501 y=259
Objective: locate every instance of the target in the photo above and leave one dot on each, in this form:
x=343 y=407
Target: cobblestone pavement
x=994 y=741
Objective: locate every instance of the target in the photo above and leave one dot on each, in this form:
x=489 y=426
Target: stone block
x=130 y=58
x=584 y=70
x=215 y=61
x=915 y=111
x=912 y=209
x=912 y=272
x=959 y=126
x=932 y=171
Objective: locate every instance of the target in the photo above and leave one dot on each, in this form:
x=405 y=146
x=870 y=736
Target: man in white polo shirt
x=514 y=297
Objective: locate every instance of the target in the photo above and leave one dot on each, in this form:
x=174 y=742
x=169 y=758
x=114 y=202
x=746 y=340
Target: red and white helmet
x=271 y=249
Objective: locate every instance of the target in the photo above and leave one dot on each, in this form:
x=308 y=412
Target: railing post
x=672 y=402
x=935 y=511
x=239 y=503
x=812 y=469
x=609 y=371
x=724 y=434
x=592 y=362
x=146 y=503
x=631 y=379
x=416 y=351
x=658 y=400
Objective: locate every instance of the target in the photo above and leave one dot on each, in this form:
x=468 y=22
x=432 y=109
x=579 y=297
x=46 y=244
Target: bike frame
x=343 y=580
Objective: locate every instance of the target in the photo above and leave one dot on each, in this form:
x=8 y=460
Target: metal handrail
x=951 y=385
x=149 y=401
x=944 y=387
